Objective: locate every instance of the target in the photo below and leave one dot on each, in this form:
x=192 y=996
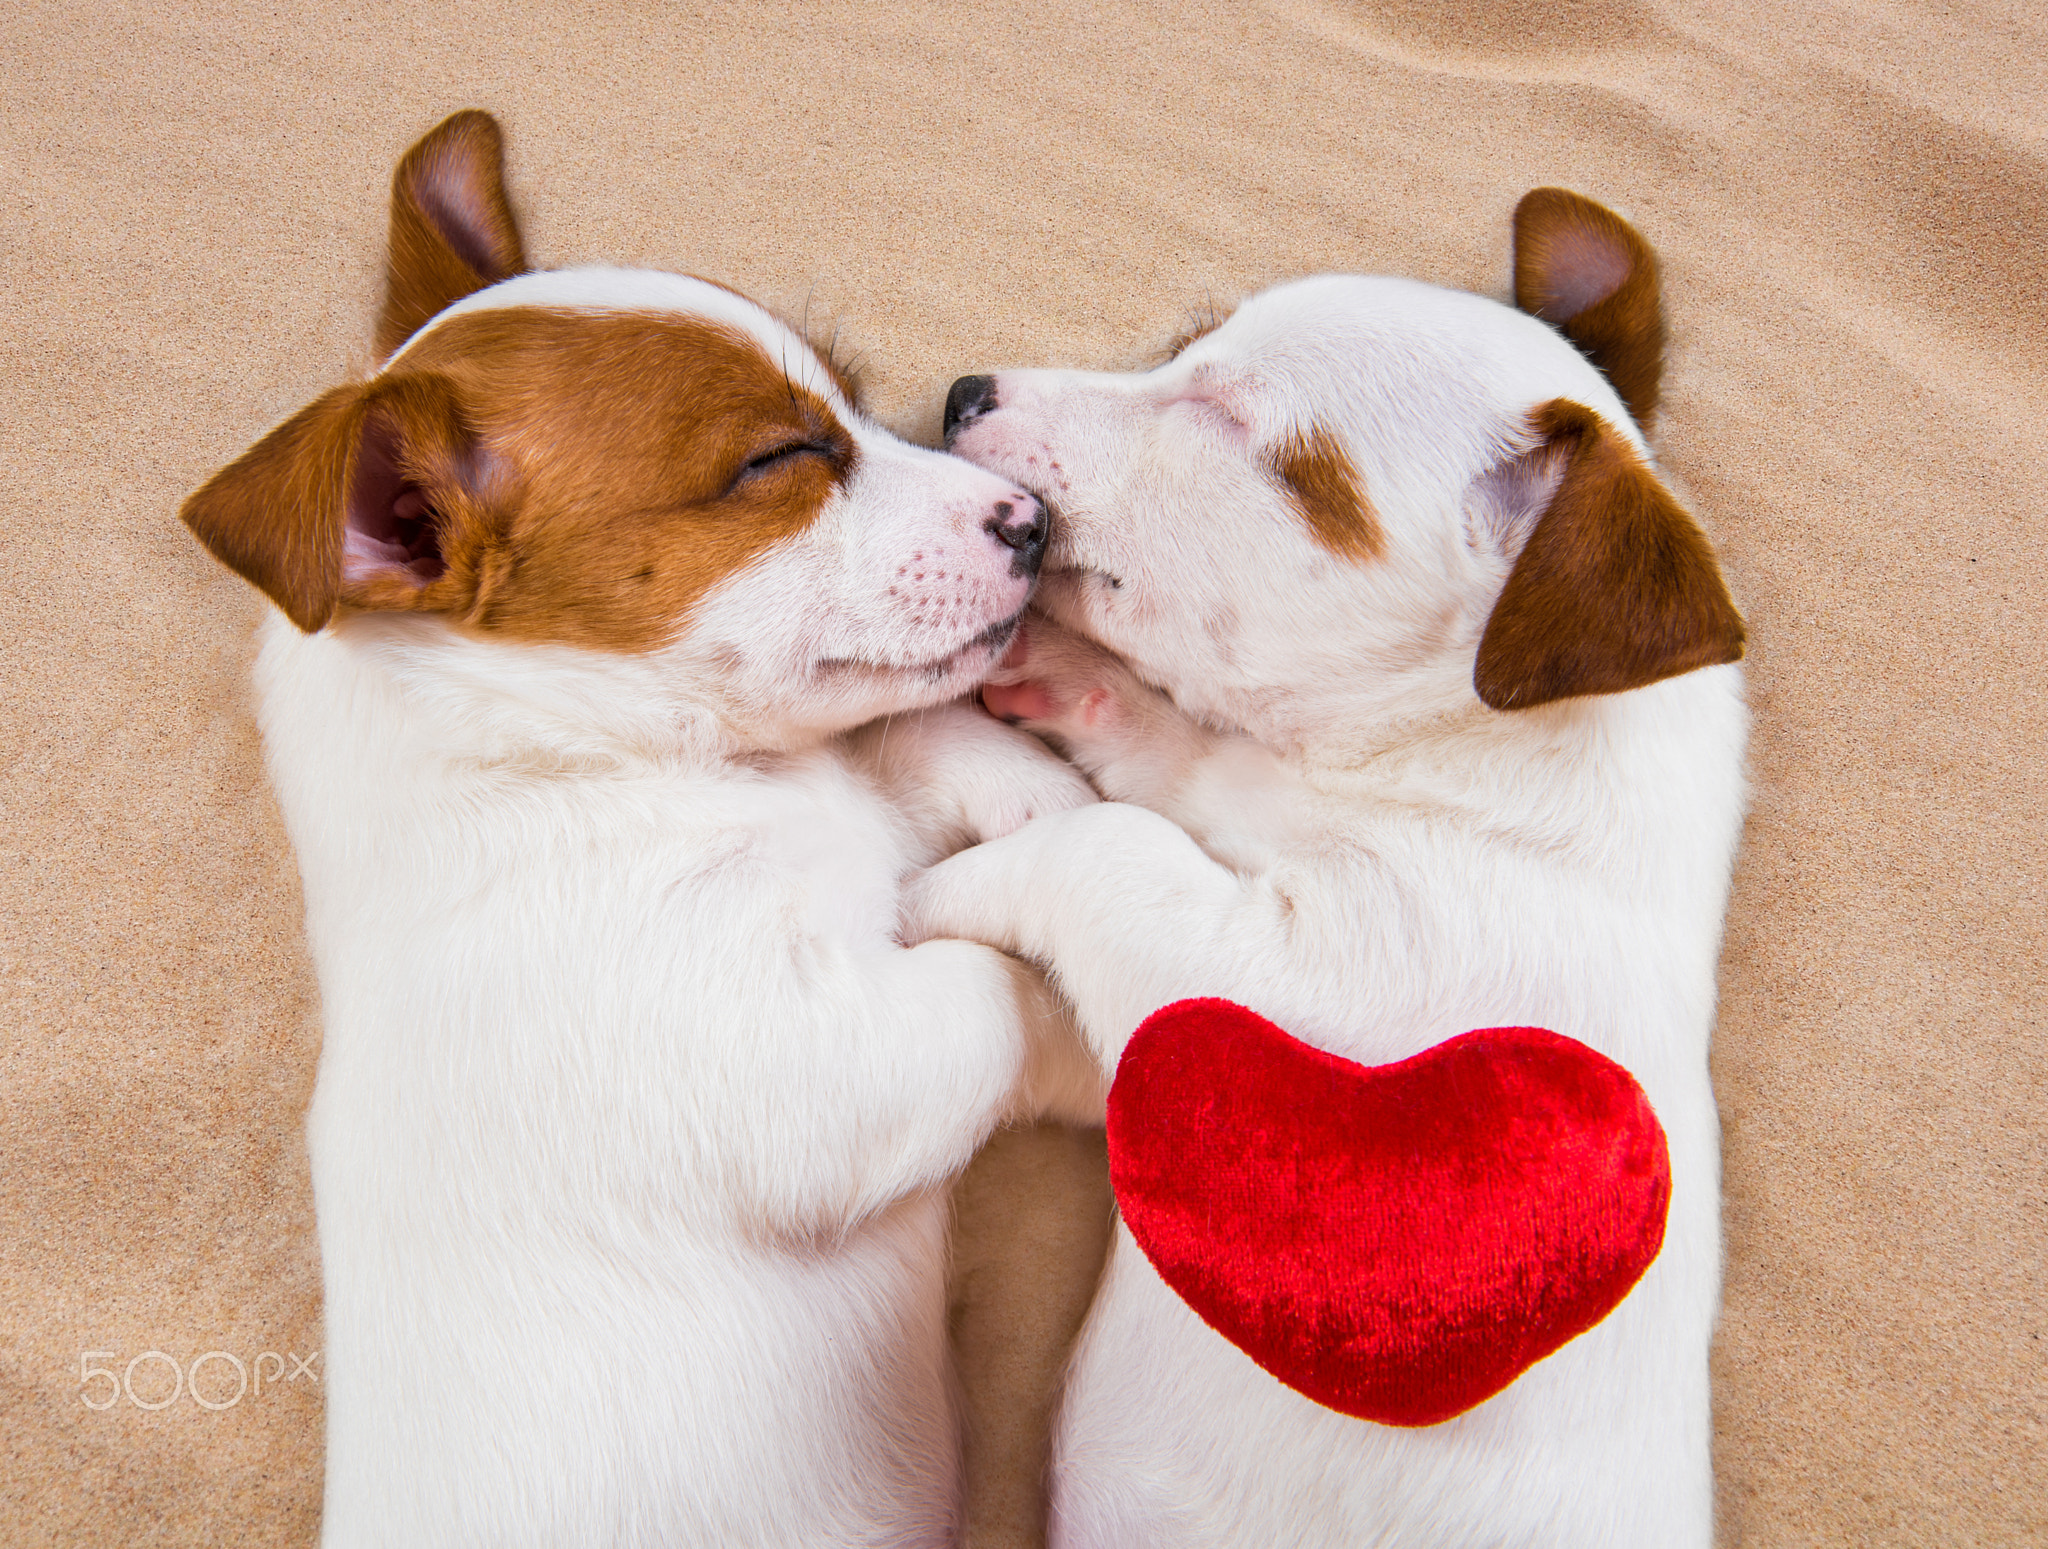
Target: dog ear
x=452 y=231
x=1584 y=269
x=1615 y=588
x=362 y=498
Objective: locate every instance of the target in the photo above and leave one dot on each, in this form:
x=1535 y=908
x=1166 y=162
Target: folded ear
x=452 y=231
x=1616 y=586
x=361 y=497
x=1580 y=266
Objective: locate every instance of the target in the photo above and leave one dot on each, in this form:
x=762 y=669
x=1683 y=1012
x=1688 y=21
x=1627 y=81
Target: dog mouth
x=1071 y=581
x=990 y=643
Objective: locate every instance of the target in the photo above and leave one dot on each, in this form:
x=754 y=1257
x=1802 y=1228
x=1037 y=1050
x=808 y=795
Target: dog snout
x=969 y=399
x=1019 y=522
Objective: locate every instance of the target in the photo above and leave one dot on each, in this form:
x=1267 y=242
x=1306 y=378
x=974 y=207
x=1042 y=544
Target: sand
x=1851 y=203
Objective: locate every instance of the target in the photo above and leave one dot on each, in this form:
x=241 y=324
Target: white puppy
x=1427 y=725
x=633 y=1119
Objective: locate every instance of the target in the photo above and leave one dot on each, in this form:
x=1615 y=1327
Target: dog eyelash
x=1201 y=321
x=846 y=369
x=781 y=453
x=775 y=456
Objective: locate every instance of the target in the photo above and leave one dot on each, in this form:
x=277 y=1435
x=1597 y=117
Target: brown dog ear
x=452 y=230
x=1616 y=587
x=1584 y=269
x=356 y=498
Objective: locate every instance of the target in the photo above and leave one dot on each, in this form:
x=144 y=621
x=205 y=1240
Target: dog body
x=1420 y=719
x=633 y=1118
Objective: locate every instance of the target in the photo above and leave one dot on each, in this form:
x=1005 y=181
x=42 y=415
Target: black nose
x=1020 y=522
x=970 y=398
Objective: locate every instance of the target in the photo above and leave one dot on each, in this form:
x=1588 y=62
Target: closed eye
x=789 y=447
x=784 y=453
x=787 y=454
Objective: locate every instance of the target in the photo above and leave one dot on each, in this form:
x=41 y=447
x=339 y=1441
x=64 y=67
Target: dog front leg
x=1125 y=910
x=887 y=1076
x=958 y=777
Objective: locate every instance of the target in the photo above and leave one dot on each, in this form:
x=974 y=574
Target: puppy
x=633 y=1116
x=1422 y=718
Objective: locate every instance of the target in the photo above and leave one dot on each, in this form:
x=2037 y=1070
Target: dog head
x=627 y=464
x=1373 y=496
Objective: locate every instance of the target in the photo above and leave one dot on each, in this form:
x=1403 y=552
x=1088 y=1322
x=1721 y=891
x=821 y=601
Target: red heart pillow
x=1398 y=1242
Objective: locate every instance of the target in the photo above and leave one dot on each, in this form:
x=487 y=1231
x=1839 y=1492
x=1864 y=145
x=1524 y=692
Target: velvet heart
x=1398 y=1242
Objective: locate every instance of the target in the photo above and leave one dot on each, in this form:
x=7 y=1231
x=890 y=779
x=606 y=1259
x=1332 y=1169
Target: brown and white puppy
x=1411 y=686
x=633 y=1117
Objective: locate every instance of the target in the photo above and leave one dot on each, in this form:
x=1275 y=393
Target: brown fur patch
x=576 y=478
x=273 y=515
x=1616 y=588
x=1583 y=268
x=452 y=229
x=1319 y=478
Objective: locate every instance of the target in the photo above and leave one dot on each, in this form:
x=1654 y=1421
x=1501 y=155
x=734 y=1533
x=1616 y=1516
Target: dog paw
x=939 y=903
x=1055 y=683
x=1025 y=782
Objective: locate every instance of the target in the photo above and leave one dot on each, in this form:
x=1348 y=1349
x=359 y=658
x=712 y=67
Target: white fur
x=634 y=1118
x=1311 y=813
